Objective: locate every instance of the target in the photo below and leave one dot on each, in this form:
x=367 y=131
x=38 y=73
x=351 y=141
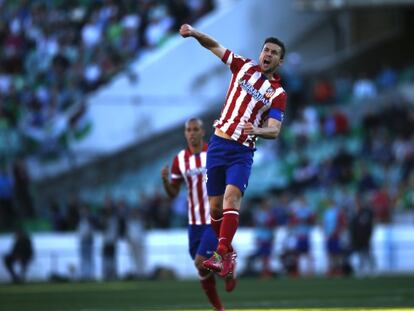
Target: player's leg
x=203 y=246
x=207 y=244
x=216 y=188
x=216 y=183
x=216 y=180
x=228 y=170
x=223 y=261
x=208 y=283
x=230 y=222
x=216 y=213
x=237 y=178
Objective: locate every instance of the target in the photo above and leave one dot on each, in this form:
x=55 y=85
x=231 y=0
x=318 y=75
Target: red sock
x=216 y=224
x=208 y=283
x=228 y=230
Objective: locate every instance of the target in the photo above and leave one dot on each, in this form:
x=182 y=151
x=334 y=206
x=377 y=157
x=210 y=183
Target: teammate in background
x=254 y=106
x=189 y=165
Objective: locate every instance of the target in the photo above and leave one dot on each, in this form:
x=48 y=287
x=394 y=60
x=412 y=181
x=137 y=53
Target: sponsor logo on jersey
x=196 y=171
x=269 y=92
x=249 y=89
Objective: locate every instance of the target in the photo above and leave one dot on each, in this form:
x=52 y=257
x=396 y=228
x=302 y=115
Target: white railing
x=393 y=249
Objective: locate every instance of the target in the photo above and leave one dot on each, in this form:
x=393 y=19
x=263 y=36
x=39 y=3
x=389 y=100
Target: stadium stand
x=348 y=135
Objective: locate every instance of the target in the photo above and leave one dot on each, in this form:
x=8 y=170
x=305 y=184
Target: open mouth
x=266 y=62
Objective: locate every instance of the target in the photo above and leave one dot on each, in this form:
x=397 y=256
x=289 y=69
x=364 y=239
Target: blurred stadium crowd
x=347 y=142
x=53 y=53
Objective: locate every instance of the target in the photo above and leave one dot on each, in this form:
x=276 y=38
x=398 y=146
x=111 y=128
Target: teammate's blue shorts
x=202 y=240
x=228 y=163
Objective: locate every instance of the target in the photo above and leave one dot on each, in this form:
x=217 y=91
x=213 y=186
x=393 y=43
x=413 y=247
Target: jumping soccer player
x=254 y=106
x=189 y=165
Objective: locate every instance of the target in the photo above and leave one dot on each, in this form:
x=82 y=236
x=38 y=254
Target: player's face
x=194 y=133
x=270 y=57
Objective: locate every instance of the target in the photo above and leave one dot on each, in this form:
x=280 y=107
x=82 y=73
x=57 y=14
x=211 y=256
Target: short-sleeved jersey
x=249 y=98
x=191 y=167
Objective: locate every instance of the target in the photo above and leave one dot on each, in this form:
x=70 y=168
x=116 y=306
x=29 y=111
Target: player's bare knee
x=216 y=207
x=198 y=262
x=232 y=199
x=216 y=213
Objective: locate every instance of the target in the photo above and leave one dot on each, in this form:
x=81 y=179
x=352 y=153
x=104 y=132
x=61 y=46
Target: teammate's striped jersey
x=249 y=98
x=192 y=168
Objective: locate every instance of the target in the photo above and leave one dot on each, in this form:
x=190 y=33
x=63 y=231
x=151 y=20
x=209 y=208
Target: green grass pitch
x=379 y=293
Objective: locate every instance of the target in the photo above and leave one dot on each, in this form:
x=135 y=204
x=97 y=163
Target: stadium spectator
x=306 y=125
x=7 y=210
x=302 y=219
x=22 y=191
x=288 y=257
x=304 y=175
x=382 y=205
x=56 y=217
x=109 y=225
x=122 y=214
x=333 y=223
x=73 y=207
x=264 y=223
x=323 y=91
x=21 y=254
x=86 y=228
x=361 y=229
x=54 y=53
x=231 y=148
x=364 y=88
x=189 y=166
x=135 y=237
x=386 y=78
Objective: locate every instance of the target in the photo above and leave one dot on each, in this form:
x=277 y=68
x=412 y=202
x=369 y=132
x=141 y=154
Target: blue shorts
x=333 y=245
x=302 y=245
x=264 y=249
x=228 y=163
x=202 y=240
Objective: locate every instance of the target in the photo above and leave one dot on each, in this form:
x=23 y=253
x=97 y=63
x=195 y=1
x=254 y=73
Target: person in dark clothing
x=21 y=253
x=361 y=228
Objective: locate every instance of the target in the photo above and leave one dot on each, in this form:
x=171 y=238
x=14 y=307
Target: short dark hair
x=277 y=42
x=198 y=120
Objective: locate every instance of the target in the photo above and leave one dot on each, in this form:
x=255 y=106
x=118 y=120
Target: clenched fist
x=249 y=129
x=186 y=30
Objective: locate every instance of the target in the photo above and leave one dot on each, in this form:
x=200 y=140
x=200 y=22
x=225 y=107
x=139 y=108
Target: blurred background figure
x=110 y=234
x=289 y=257
x=334 y=227
x=302 y=220
x=86 y=229
x=361 y=228
x=21 y=254
x=264 y=224
x=7 y=209
x=135 y=237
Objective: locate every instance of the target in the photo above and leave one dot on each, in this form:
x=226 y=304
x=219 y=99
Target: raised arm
x=205 y=40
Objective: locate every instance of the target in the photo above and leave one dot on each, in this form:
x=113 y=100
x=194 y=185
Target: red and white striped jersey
x=249 y=98
x=192 y=168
